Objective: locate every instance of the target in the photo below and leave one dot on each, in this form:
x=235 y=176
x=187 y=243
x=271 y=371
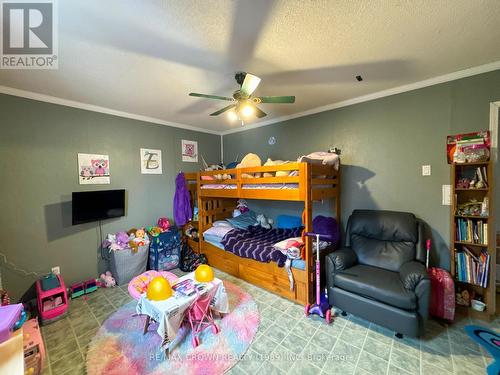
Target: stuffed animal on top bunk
x=250 y=160
x=270 y=162
x=321 y=157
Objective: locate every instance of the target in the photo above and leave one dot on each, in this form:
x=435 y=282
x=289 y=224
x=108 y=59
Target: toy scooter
x=321 y=307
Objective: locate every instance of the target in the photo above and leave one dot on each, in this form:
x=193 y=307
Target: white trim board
x=94 y=108
x=365 y=98
x=376 y=95
x=494 y=125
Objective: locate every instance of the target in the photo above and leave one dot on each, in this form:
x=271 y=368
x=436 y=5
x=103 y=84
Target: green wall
x=39 y=143
x=384 y=143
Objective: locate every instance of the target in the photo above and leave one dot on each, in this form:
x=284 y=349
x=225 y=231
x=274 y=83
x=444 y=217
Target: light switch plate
x=446 y=195
x=56 y=270
x=426 y=170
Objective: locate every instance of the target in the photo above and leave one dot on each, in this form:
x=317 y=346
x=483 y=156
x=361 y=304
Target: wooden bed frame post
x=305 y=175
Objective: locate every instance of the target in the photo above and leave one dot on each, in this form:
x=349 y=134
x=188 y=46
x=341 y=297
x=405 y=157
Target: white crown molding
x=365 y=98
x=376 y=95
x=94 y=108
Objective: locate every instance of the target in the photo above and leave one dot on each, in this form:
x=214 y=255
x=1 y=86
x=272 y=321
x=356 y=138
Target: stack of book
x=473 y=231
x=472 y=269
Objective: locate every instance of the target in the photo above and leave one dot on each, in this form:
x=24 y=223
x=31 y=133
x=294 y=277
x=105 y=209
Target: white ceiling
x=144 y=57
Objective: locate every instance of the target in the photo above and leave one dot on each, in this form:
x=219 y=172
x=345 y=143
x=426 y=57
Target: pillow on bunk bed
x=288 y=222
x=244 y=220
x=212 y=238
x=217 y=231
x=222 y=223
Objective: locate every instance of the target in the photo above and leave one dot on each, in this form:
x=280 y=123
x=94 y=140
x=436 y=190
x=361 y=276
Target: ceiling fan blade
x=223 y=110
x=249 y=84
x=275 y=99
x=259 y=113
x=217 y=97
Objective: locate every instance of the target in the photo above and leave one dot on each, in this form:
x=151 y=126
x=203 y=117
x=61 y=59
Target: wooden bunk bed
x=192 y=185
x=218 y=198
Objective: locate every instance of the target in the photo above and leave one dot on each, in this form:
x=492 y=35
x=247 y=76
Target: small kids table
x=170 y=313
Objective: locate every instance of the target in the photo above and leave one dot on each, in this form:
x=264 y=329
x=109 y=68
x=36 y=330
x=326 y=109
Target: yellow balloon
x=204 y=273
x=159 y=289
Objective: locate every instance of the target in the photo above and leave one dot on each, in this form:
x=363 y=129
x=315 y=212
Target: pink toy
x=34 y=350
x=107 y=280
x=51 y=303
x=9 y=316
x=199 y=317
x=139 y=284
x=163 y=224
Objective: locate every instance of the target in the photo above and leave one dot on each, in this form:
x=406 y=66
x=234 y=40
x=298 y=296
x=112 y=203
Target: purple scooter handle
x=324 y=237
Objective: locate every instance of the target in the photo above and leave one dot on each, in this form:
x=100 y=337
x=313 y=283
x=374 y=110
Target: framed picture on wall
x=93 y=169
x=151 y=161
x=189 y=151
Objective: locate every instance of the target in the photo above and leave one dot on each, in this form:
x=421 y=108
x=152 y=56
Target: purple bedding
x=258 y=243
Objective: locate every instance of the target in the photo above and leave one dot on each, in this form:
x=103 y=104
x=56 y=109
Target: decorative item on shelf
x=471 y=208
x=478 y=305
x=463 y=297
x=469 y=147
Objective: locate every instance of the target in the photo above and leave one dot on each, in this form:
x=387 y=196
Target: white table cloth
x=170 y=313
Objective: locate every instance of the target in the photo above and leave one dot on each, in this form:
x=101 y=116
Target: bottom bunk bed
x=268 y=276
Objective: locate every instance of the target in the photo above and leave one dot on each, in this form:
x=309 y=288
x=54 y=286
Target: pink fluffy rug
x=120 y=347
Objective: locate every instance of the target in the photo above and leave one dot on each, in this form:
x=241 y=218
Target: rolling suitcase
x=442 y=304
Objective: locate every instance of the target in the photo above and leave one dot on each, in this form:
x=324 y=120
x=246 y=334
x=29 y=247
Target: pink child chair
x=199 y=316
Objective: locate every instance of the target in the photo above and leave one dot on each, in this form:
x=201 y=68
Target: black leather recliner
x=380 y=274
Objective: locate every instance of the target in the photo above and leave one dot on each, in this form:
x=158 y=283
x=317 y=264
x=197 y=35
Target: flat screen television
x=88 y=206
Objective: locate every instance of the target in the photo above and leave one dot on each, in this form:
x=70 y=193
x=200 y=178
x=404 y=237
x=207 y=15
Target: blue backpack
x=164 y=250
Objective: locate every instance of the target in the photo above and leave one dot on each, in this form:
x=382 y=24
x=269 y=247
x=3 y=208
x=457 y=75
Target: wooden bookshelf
x=486 y=243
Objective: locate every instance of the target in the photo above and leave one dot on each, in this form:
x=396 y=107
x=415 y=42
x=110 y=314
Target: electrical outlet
x=56 y=270
x=426 y=170
x=446 y=190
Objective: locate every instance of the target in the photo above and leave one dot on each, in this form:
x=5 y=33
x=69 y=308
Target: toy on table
x=204 y=273
x=52 y=299
x=34 y=350
x=10 y=318
x=159 y=289
x=107 y=280
x=139 y=284
x=321 y=307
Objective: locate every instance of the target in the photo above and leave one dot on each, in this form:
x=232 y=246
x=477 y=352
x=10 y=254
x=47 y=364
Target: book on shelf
x=475 y=232
x=472 y=269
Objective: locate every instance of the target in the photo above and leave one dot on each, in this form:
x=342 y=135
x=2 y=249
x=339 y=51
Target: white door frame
x=494 y=124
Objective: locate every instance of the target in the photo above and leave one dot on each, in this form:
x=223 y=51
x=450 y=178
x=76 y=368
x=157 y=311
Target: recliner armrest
x=341 y=259
x=412 y=273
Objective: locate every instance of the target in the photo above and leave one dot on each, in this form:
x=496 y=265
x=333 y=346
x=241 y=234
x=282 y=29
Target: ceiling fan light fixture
x=232 y=116
x=247 y=110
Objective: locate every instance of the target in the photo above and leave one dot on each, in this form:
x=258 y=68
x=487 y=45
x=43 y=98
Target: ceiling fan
x=243 y=103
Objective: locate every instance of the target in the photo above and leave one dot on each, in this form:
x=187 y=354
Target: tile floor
x=289 y=343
